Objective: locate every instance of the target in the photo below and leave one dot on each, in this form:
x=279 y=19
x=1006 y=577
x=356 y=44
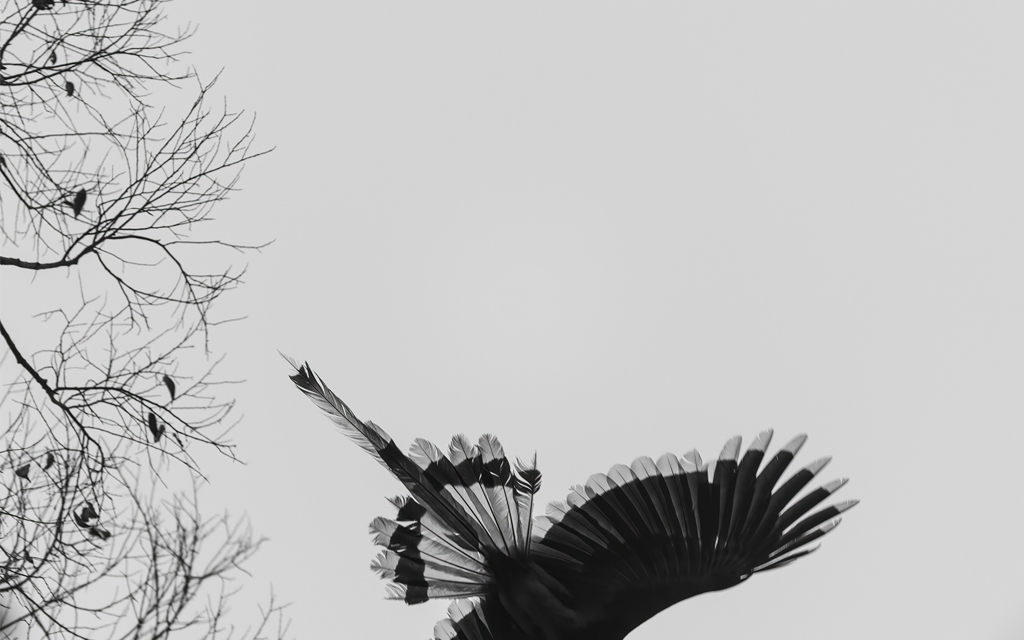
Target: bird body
x=621 y=548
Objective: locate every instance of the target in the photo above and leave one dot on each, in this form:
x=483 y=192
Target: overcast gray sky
x=601 y=230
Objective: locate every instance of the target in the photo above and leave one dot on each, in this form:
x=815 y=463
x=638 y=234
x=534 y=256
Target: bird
x=621 y=548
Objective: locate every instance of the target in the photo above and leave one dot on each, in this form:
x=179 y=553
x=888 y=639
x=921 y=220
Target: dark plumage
x=621 y=548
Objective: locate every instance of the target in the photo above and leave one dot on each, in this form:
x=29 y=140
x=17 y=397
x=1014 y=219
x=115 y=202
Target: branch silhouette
x=107 y=183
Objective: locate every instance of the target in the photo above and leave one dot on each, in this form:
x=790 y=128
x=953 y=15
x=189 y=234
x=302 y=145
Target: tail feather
x=402 y=568
x=500 y=491
x=466 y=620
x=462 y=487
x=379 y=444
x=527 y=481
x=410 y=511
x=409 y=540
x=462 y=509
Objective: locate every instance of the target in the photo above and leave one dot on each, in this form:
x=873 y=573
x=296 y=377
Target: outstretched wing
x=638 y=539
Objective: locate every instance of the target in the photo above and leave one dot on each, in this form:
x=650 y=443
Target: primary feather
x=622 y=547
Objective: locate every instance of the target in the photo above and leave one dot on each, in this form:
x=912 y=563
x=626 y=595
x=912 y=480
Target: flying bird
x=621 y=548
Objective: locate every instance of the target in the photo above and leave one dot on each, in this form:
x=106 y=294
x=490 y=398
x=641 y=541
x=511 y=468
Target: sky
x=602 y=230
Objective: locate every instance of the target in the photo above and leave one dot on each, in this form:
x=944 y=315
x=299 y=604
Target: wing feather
x=637 y=539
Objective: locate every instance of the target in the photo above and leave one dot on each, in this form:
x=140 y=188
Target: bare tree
x=110 y=268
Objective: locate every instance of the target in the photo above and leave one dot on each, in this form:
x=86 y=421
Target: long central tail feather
x=462 y=511
x=379 y=444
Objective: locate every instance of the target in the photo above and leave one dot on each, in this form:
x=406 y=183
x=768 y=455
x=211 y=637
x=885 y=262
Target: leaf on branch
x=49 y=460
x=170 y=385
x=88 y=513
x=155 y=428
x=43 y=5
x=79 y=202
x=53 y=58
x=70 y=88
x=22 y=471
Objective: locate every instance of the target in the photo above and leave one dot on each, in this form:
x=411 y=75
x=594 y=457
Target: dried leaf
x=79 y=202
x=170 y=385
x=70 y=88
x=155 y=428
x=22 y=471
x=87 y=515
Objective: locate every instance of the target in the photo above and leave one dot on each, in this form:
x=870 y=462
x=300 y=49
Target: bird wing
x=638 y=539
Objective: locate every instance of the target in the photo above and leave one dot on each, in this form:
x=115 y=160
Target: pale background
x=601 y=230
